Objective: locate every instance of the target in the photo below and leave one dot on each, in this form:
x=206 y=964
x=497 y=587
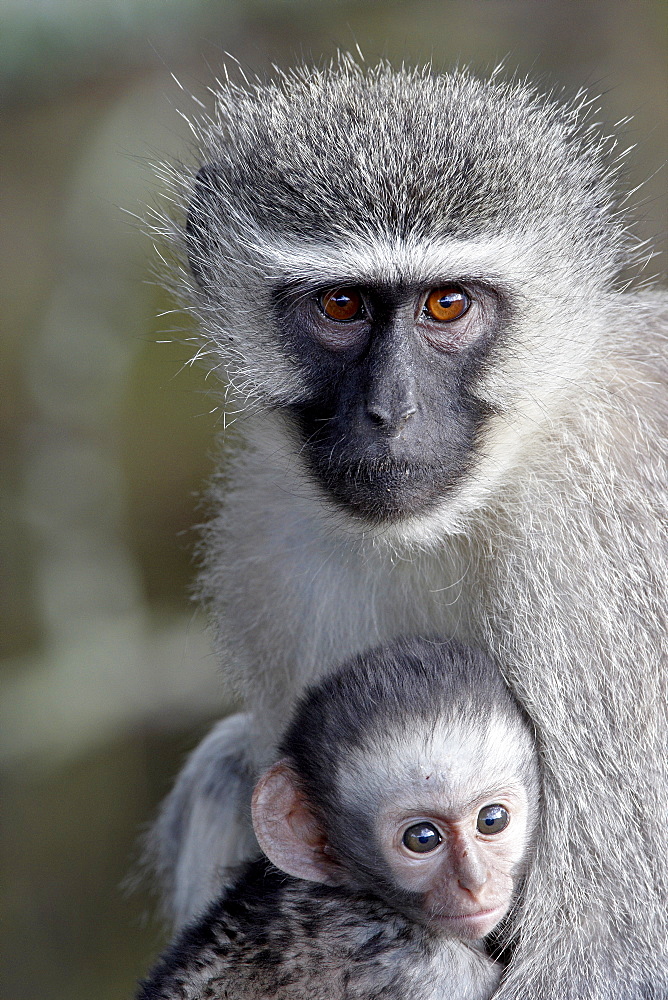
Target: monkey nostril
x=390 y=419
x=377 y=417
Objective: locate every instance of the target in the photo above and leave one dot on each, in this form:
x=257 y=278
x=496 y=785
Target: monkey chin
x=383 y=494
x=468 y=926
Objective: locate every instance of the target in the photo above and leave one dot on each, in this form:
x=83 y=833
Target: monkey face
x=462 y=862
x=391 y=423
x=454 y=813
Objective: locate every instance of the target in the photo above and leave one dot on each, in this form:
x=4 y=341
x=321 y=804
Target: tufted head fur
x=355 y=174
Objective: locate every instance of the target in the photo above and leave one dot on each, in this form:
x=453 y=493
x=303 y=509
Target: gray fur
x=551 y=552
x=204 y=823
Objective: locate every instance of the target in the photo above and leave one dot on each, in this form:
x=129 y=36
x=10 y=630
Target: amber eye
x=343 y=305
x=446 y=304
x=492 y=819
x=421 y=838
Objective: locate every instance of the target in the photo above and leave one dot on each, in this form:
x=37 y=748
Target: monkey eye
x=421 y=838
x=343 y=305
x=446 y=304
x=492 y=819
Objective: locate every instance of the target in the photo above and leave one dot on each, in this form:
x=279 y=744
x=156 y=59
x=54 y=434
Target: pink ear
x=285 y=827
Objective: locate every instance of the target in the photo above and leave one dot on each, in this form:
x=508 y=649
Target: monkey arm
x=272 y=935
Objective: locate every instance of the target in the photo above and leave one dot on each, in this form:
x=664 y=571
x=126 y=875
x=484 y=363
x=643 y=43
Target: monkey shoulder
x=271 y=935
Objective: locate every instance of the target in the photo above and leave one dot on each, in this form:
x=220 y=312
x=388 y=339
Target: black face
x=392 y=422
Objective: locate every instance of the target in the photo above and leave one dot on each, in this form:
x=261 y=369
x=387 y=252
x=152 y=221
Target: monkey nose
x=391 y=419
x=472 y=874
x=472 y=885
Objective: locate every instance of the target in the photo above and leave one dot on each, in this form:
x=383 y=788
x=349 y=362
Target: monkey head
x=403 y=269
x=434 y=811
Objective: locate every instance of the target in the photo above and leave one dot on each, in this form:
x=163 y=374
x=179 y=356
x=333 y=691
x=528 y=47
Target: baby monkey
x=397 y=825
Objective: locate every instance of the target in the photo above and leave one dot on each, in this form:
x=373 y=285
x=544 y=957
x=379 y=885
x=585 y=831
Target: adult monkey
x=453 y=423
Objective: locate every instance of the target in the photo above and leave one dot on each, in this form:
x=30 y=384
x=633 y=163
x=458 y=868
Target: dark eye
x=343 y=305
x=446 y=304
x=421 y=838
x=492 y=819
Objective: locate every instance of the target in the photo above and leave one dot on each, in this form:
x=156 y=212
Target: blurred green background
x=107 y=433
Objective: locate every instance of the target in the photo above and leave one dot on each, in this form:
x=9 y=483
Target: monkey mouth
x=379 y=479
x=473 y=925
x=387 y=490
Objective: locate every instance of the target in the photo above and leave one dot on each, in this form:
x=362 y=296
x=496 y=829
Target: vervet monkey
x=454 y=422
x=402 y=811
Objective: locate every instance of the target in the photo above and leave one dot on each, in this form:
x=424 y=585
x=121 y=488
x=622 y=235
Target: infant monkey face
x=463 y=864
x=457 y=841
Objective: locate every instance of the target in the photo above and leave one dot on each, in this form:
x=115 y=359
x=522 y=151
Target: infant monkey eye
x=492 y=819
x=343 y=305
x=446 y=304
x=421 y=838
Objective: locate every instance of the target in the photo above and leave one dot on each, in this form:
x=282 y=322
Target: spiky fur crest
x=553 y=553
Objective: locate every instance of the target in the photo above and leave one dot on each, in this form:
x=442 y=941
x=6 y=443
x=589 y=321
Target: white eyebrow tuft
x=384 y=260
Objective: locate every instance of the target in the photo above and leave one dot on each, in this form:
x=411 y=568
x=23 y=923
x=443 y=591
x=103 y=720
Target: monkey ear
x=286 y=829
x=199 y=223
